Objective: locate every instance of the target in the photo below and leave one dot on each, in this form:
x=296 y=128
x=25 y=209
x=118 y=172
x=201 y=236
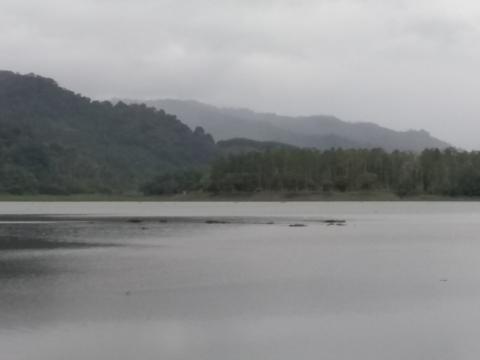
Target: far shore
x=236 y=197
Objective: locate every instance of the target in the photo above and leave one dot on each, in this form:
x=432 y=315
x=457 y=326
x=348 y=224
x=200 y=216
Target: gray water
x=170 y=281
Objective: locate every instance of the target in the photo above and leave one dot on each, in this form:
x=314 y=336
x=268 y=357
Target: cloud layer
x=402 y=64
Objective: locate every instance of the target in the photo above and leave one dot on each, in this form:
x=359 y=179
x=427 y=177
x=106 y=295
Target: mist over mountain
x=55 y=141
x=319 y=131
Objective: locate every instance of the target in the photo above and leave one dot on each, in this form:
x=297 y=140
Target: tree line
x=447 y=172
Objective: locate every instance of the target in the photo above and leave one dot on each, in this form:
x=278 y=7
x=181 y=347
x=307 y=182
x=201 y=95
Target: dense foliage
x=241 y=146
x=55 y=141
x=448 y=172
x=175 y=183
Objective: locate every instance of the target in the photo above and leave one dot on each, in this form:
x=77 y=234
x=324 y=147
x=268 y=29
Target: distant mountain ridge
x=318 y=131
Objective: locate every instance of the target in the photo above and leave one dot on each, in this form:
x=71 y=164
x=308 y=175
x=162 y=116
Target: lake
x=232 y=281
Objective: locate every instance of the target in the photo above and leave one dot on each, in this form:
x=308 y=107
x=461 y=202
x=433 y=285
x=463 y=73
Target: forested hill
x=321 y=132
x=55 y=141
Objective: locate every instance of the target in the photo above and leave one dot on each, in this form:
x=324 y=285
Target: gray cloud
x=403 y=64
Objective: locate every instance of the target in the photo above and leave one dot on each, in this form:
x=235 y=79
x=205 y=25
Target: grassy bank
x=257 y=196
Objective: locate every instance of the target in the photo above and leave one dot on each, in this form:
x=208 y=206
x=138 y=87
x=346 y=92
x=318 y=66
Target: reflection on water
x=398 y=281
x=24 y=236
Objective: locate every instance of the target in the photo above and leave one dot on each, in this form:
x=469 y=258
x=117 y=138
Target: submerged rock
x=337 y=222
x=297 y=225
x=216 y=222
x=134 y=221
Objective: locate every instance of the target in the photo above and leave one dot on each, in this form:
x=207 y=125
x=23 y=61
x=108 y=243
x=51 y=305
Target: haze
x=401 y=64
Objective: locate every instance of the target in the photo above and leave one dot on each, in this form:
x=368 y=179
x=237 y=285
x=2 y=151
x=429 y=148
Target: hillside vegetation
x=433 y=172
x=55 y=141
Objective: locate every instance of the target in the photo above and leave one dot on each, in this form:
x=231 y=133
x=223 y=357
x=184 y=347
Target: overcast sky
x=402 y=64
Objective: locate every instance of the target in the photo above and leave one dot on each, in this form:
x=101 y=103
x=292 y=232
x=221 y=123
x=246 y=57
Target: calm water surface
x=122 y=281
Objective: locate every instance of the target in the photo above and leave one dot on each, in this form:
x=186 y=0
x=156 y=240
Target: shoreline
x=367 y=196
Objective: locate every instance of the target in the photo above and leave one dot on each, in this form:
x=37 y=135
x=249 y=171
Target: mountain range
x=55 y=141
x=317 y=131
